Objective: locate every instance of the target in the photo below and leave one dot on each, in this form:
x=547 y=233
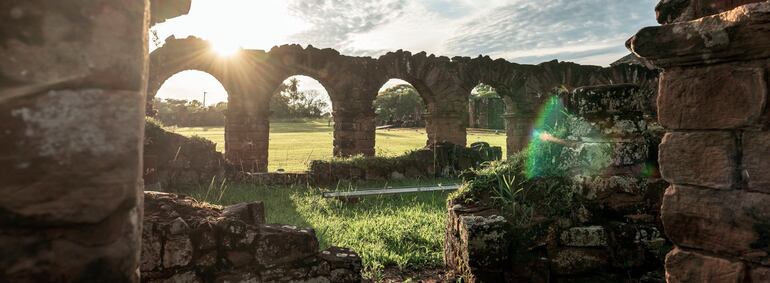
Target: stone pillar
x=472 y=114
x=483 y=112
x=247 y=139
x=518 y=130
x=446 y=121
x=445 y=127
x=713 y=103
x=354 y=132
x=72 y=84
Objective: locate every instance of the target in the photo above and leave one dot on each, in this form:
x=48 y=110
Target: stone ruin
x=184 y=240
x=173 y=163
x=252 y=76
x=713 y=103
x=74 y=80
x=616 y=233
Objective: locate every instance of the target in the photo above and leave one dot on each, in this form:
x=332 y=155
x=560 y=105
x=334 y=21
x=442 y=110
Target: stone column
x=354 y=132
x=445 y=127
x=472 y=114
x=72 y=84
x=483 y=113
x=247 y=139
x=518 y=130
x=713 y=103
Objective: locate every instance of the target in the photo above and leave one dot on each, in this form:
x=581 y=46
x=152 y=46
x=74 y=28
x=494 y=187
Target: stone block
x=685 y=267
x=165 y=9
x=250 y=213
x=736 y=35
x=567 y=261
x=735 y=223
x=759 y=274
x=476 y=243
x=182 y=277
x=713 y=97
x=152 y=248
x=608 y=100
x=671 y=11
x=484 y=239
x=756 y=160
x=705 y=159
x=281 y=244
x=97 y=44
x=66 y=153
x=177 y=251
x=591 y=236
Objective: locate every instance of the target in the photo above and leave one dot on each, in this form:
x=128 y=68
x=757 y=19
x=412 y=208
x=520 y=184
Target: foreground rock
x=188 y=241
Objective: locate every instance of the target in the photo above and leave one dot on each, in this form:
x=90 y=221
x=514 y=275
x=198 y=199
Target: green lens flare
x=539 y=151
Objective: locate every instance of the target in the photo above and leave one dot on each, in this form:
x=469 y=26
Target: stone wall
x=442 y=160
x=614 y=237
x=188 y=241
x=72 y=89
x=622 y=119
x=613 y=234
x=713 y=103
x=173 y=162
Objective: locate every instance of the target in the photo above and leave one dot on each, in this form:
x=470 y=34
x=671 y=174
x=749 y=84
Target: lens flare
x=564 y=145
x=537 y=153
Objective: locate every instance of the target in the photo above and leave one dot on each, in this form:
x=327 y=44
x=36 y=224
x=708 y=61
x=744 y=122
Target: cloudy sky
x=522 y=31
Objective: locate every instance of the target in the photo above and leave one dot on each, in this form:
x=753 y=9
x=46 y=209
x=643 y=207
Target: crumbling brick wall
x=188 y=241
x=615 y=234
x=716 y=153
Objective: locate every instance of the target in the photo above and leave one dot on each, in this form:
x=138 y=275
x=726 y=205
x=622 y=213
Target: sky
x=522 y=31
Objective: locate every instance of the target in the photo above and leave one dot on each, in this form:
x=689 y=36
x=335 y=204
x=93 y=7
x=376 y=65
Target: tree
x=184 y=113
x=290 y=102
x=484 y=91
x=399 y=105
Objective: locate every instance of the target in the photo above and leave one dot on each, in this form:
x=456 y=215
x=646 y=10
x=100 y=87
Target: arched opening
x=399 y=110
x=301 y=124
x=193 y=103
x=486 y=121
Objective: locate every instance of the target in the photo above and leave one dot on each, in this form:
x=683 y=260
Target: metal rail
x=390 y=191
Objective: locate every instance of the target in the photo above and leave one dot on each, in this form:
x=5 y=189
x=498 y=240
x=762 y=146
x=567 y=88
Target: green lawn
x=293 y=144
x=404 y=230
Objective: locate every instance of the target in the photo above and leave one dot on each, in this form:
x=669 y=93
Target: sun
x=225 y=48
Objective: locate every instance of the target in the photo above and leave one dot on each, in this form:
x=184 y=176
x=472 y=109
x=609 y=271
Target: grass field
x=404 y=230
x=293 y=144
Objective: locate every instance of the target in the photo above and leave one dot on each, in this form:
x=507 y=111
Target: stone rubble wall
x=173 y=163
x=616 y=235
x=188 y=241
x=619 y=120
x=443 y=160
x=619 y=237
x=716 y=152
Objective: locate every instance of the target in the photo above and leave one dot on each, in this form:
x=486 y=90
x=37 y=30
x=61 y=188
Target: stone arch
x=437 y=79
x=246 y=129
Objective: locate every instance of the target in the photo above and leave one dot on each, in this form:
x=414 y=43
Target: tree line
x=399 y=105
x=288 y=103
